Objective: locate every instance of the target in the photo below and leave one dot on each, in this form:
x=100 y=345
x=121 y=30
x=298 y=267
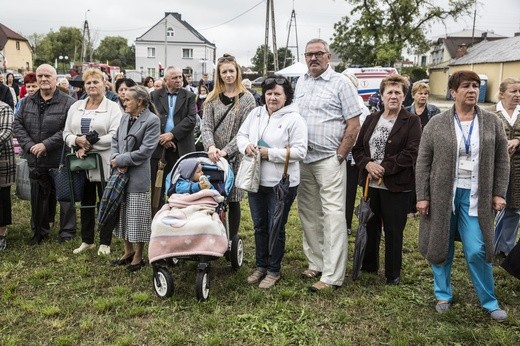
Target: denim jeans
x=262 y=205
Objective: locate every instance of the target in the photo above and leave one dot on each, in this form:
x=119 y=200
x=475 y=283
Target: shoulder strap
x=223 y=117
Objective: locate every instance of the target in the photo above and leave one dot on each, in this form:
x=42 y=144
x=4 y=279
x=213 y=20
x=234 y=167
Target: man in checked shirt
x=328 y=102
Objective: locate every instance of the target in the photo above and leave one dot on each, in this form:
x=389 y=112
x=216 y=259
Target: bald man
x=39 y=129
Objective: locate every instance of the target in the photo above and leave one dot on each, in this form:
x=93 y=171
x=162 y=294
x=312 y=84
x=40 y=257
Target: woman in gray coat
x=461 y=178
x=132 y=147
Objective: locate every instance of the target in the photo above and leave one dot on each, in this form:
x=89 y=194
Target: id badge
x=466 y=164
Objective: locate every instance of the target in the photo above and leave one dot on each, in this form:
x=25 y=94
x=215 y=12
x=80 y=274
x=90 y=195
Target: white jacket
x=105 y=122
x=284 y=127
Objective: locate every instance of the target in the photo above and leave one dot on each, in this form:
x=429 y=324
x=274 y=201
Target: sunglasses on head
x=226 y=57
x=277 y=80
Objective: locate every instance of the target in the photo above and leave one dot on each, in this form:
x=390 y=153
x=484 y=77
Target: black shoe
x=123 y=261
x=136 y=267
x=393 y=282
x=65 y=239
x=37 y=239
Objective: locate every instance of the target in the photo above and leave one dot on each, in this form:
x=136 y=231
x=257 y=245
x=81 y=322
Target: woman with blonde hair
x=89 y=128
x=225 y=110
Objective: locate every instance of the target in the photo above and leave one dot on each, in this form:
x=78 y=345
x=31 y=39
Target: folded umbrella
x=499 y=223
x=364 y=213
x=281 y=190
x=113 y=195
x=157 y=191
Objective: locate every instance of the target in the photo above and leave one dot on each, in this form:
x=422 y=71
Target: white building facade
x=174 y=42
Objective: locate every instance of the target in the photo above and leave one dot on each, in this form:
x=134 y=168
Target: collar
x=500 y=108
x=326 y=75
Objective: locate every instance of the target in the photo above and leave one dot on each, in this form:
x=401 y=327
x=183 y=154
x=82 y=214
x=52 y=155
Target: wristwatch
x=340 y=158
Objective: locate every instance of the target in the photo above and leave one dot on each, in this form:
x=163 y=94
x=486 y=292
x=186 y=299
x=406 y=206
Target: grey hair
x=141 y=93
x=319 y=40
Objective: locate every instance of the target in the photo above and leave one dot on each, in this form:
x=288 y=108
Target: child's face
x=198 y=173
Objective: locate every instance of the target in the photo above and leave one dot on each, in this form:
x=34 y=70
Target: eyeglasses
x=226 y=57
x=277 y=80
x=318 y=55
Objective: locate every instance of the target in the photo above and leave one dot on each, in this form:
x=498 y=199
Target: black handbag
x=69 y=185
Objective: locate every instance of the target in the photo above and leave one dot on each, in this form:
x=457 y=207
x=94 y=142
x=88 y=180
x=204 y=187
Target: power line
x=232 y=19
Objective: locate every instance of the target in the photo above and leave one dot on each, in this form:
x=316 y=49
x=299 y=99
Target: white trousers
x=321 y=206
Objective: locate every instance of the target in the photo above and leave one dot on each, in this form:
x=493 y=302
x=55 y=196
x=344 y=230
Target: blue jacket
x=188 y=186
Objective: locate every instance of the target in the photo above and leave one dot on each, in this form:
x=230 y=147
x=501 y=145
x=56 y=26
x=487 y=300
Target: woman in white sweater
x=90 y=125
x=270 y=129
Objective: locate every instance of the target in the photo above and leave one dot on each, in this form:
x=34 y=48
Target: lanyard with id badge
x=465 y=163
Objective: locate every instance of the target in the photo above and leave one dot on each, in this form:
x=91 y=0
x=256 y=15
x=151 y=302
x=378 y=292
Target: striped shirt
x=326 y=103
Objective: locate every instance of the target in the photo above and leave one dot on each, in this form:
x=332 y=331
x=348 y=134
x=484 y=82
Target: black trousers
x=352 y=185
x=43 y=201
x=5 y=206
x=390 y=210
x=89 y=216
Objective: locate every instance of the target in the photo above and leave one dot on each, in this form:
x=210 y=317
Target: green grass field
x=49 y=296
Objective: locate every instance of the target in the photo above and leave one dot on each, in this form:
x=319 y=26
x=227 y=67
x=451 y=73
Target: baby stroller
x=194 y=227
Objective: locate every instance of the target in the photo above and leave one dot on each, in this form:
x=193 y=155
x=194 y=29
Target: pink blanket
x=188 y=225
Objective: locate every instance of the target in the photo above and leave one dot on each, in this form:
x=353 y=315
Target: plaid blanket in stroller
x=188 y=225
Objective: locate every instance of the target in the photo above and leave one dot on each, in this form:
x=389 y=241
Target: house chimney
x=174 y=14
x=461 y=50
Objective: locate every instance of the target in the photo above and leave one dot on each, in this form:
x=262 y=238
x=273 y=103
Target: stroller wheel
x=237 y=252
x=202 y=284
x=163 y=282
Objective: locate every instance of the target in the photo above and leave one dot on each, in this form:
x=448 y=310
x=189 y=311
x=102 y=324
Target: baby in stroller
x=192 y=225
x=191 y=178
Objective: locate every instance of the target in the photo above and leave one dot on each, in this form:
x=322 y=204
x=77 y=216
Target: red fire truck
x=110 y=71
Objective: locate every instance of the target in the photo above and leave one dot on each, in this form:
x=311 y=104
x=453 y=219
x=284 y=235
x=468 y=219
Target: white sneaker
x=103 y=250
x=84 y=247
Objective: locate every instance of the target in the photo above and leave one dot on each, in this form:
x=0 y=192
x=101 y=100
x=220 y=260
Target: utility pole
x=166 y=41
x=269 y=12
x=86 y=41
x=474 y=20
x=293 y=17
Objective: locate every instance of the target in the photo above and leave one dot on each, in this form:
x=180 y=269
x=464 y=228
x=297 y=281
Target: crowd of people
x=452 y=168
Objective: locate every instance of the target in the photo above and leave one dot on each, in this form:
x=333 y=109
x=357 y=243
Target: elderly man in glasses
x=328 y=102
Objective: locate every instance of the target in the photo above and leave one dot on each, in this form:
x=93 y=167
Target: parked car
x=257 y=82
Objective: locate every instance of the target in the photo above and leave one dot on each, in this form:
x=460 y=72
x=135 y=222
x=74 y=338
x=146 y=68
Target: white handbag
x=248 y=175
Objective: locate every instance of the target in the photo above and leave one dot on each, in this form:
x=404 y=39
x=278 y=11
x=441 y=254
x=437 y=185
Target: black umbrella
x=281 y=190
x=364 y=213
x=512 y=262
x=113 y=195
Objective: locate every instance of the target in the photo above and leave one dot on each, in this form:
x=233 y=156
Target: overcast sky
x=235 y=26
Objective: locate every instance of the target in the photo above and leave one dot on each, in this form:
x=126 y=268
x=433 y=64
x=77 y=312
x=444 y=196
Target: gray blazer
x=134 y=148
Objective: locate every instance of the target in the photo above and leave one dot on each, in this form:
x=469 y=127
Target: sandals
x=310 y=274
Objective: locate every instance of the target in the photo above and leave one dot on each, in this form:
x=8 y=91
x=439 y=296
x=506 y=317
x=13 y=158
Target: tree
x=258 y=59
x=116 y=51
x=65 y=42
x=385 y=27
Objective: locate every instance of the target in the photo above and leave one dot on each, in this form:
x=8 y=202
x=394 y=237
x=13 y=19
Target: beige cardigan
x=105 y=122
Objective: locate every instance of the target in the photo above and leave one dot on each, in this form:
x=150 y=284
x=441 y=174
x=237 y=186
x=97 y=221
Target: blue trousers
x=262 y=205
x=481 y=271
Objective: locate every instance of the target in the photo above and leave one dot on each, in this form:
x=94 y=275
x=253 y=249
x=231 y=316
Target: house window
x=170 y=32
x=151 y=52
x=187 y=53
x=17 y=45
x=151 y=72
